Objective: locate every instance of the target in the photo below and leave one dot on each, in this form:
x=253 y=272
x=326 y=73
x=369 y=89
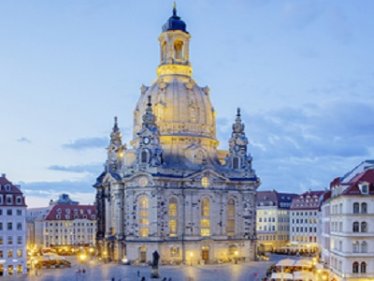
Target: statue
x=156 y=258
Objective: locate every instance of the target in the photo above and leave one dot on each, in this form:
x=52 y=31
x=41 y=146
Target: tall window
x=144 y=156
x=163 y=51
x=355 y=267
x=364 y=247
x=230 y=228
x=364 y=208
x=356 y=208
x=235 y=163
x=356 y=247
x=355 y=227
x=178 y=49
x=173 y=217
x=143 y=204
x=363 y=267
x=364 y=227
x=205 y=217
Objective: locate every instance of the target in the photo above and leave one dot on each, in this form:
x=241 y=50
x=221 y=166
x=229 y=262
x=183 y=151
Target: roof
x=71 y=212
x=350 y=183
x=7 y=188
x=274 y=198
x=174 y=23
x=310 y=200
x=354 y=185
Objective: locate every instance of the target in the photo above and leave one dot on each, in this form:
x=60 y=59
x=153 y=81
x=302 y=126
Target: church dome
x=181 y=107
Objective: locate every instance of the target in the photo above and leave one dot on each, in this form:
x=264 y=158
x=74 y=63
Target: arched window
x=364 y=227
x=356 y=208
x=355 y=267
x=364 y=247
x=144 y=156
x=205 y=217
x=173 y=217
x=355 y=227
x=230 y=228
x=364 y=208
x=163 y=51
x=178 y=50
x=235 y=162
x=363 y=267
x=143 y=216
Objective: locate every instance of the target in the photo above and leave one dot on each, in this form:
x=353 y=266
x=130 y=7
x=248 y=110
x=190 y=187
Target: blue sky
x=302 y=71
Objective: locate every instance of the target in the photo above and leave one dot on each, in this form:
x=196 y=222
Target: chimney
x=3 y=175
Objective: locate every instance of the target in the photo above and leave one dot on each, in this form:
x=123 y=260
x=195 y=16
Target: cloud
x=89 y=168
x=297 y=148
x=24 y=140
x=87 y=143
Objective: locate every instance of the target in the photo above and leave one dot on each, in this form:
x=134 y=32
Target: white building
x=304 y=221
x=273 y=219
x=62 y=223
x=12 y=229
x=172 y=190
x=351 y=252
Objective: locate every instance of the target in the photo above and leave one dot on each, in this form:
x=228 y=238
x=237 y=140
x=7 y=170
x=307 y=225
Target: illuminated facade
x=305 y=221
x=273 y=219
x=172 y=190
x=350 y=252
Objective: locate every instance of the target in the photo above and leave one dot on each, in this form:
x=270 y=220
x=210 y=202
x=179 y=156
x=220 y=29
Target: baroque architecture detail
x=172 y=190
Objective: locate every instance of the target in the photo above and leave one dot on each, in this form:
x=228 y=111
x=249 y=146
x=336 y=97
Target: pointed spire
x=238 y=126
x=174 y=9
x=115 y=127
x=149 y=119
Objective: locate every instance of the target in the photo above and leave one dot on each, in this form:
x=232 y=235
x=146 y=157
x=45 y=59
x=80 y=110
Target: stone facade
x=172 y=190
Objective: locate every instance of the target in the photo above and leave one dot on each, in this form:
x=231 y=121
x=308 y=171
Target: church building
x=171 y=189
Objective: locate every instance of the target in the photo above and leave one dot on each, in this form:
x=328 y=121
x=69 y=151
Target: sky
x=302 y=72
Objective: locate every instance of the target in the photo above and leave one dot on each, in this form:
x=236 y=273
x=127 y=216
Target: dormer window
x=364 y=188
x=19 y=200
x=7 y=187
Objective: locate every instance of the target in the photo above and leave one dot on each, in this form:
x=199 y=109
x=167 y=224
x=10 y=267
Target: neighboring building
x=324 y=228
x=304 y=221
x=351 y=255
x=12 y=229
x=273 y=219
x=173 y=191
x=63 y=223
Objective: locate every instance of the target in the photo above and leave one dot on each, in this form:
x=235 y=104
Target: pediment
x=208 y=177
x=140 y=179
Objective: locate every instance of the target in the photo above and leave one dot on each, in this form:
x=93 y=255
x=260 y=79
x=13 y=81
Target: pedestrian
x=143 y=279
x=164 y=279
x=169 y=279
x=113 y=279
x=138 y=273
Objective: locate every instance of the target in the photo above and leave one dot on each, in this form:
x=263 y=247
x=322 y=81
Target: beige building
x=171 y=190
x=63 y=223
x=272 y=219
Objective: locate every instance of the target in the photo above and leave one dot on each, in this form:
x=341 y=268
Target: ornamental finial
x=238 y=112
x=115 y=127
x=174 y=9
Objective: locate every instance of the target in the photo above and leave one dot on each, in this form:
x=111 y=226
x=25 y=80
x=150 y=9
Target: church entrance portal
x=143 y=254
x=205 y=253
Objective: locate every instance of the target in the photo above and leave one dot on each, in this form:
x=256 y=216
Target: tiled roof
x=71 y=212
x=310 y=200
x=366 y=176
x=274 y=198
x=12 y=195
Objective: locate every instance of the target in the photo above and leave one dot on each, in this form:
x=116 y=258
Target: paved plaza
x=105 y=272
